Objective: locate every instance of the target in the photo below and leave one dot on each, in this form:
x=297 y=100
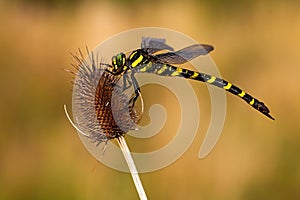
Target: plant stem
x=132 y=168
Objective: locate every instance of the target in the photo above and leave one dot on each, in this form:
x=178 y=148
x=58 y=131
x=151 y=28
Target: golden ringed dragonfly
x=146 y=60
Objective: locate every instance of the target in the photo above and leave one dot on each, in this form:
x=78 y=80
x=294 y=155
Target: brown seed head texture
x=100 y=104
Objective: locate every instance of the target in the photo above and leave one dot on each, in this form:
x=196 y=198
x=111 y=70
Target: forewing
x=185 y=55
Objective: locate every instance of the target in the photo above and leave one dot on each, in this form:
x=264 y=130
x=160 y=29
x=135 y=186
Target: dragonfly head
x=118 y=62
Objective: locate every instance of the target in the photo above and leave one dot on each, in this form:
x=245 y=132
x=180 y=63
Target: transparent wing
x=185 y=55
x=152 y=45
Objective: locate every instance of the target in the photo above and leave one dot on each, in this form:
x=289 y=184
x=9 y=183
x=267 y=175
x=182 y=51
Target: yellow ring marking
x=148 y=66
x=194 y=75
x=251 y=102
x=179 y=70
x=176 y=73
x=242 y=94
x=228 y=86
x=162 y=69
x=211 y=80
x=143 y=69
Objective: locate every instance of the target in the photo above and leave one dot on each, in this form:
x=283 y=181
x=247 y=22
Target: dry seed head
x=100 y=104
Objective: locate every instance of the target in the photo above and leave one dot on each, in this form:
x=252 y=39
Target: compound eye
x=114 y=62
x=120 y=59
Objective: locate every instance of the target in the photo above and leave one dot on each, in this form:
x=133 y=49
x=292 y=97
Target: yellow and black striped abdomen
x=169 y=70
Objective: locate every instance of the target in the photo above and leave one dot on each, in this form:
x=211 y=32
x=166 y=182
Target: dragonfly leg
x=137 y=90
x=126 y=80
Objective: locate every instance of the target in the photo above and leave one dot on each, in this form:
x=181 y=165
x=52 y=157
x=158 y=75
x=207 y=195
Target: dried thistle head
x=101 y=108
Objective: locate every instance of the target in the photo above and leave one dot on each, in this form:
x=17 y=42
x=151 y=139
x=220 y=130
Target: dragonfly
x=147 y=59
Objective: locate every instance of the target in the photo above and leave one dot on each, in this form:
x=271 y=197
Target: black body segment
x=169 y=70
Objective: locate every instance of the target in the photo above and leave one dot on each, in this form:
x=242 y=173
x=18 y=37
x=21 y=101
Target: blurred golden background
x=256 y=47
